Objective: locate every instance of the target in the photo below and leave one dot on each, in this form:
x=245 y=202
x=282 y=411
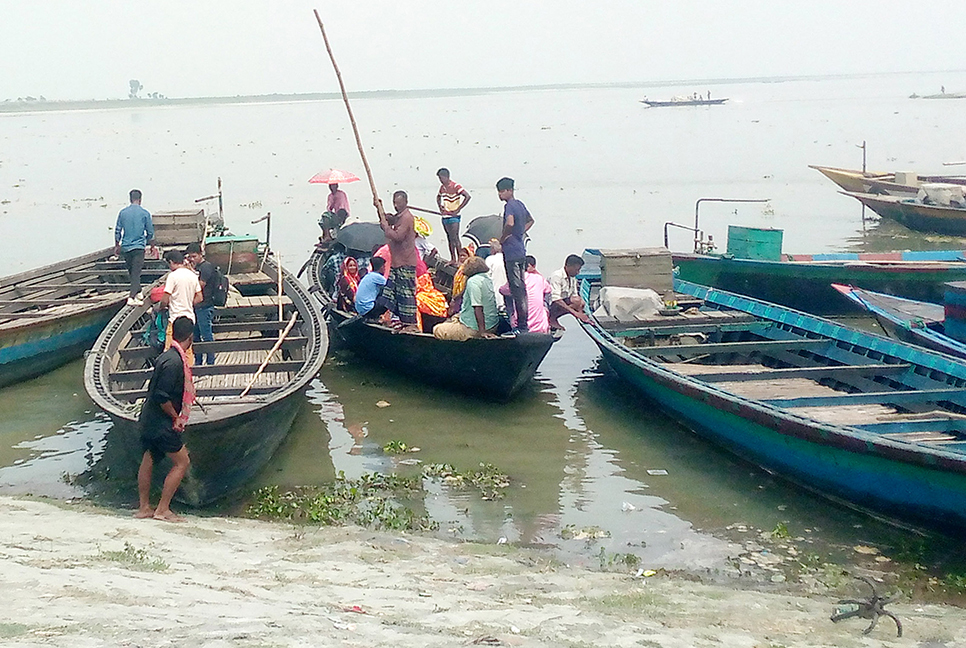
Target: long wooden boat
x=51 y=315
x=803 y=281
x=915 y=215
x=916 y=322
x=864 y=420
x=683 y=102
x=858 y=181
x=229 y=436
x=492 y=368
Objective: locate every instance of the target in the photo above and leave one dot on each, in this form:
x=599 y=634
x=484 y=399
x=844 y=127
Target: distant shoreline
x=14 y=106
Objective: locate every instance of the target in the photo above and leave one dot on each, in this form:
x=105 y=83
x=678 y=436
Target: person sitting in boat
x=336 y=212
x=538 y=298
x=564 y=296
x=478 y=315
x=383 y=252
x=348 y=285
x=459 y=282
x=369 y=289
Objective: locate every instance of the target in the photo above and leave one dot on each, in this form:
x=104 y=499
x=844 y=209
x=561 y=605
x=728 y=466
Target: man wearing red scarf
x=163 y=418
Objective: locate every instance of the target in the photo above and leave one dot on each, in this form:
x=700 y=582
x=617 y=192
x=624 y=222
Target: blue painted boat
x=864 y=420
x=915 y=322
x=51 y=315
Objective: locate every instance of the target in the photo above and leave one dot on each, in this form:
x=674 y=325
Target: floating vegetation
x=398 y=447
x=491 y=483
x=571 y=532
x=134 y=558
x=372 y=501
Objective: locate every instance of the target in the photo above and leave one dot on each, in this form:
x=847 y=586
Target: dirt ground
x=78 y=576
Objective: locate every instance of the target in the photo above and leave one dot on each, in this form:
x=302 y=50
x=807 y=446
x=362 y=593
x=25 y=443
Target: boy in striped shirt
x=451 y=199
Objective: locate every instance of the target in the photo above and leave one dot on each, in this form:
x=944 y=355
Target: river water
x=597 y=169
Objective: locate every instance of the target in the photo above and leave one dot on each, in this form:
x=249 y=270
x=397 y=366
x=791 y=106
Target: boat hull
x=31 y=351
x=922 y=495
x=807 y=286
x=493 y=368
x=225 y=454
x=921 y=218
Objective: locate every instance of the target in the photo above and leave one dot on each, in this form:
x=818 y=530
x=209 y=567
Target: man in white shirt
x=182 y=291
x=564 y=295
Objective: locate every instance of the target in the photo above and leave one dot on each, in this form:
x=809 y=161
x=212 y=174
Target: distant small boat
x=915 y=215
x=940 y=95
x=683 y=102
x=890 y=184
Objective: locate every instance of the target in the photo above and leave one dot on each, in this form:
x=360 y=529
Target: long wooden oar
x=268 y=357
x=352 y=120
x=428 y=211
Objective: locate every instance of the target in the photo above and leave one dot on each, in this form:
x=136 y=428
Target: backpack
x=219 y=288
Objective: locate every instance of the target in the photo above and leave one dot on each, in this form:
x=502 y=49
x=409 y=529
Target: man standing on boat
x=205 y=309
x=516 y=222
x=133 y=231
x=451 y=199
x=182 y=291
x=163 y=417
x=400 y=229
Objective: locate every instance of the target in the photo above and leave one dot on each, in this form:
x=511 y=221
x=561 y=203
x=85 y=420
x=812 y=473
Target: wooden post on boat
x=268 y=357
x=278 y=270
x=862 y=146
x=352 y=120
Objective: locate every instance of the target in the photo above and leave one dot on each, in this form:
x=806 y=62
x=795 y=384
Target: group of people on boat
x=496 y=289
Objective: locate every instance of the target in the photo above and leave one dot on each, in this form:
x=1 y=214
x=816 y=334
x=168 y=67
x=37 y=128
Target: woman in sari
x=348 y=283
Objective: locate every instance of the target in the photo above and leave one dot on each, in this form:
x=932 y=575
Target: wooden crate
x=637 y=268
x=179 y=227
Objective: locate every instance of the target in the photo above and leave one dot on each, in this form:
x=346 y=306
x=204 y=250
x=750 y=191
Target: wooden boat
x=803 y=281
x=683 y=102
x=915 y=215
x=492 y=368
x=495 y=368
x=858 y=181
x=915 y=322
x=51 y=315
x=864 y=420
x=229 y=436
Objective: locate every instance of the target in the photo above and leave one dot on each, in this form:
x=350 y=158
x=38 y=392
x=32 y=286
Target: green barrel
x=754 y=243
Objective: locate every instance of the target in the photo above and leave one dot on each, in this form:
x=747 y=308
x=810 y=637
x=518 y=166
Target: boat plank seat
x=131 y=395
x=729 y=347
x=926 y=425
x=239 y=305
x=212 y=370
x=760 y=372
x=919 y=437
x=676 y=328
x=851 y=415
x=892 y=397
x=79 y=285
x=220 y=346
x=153 y=273
x=684 y=318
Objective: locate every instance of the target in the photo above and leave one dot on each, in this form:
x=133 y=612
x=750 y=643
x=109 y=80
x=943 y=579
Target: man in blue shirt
x=516 y=222
x=133 y=231
x=369 y=288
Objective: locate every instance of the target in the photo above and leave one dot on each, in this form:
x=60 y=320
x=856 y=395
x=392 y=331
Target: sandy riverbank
x=75 y=575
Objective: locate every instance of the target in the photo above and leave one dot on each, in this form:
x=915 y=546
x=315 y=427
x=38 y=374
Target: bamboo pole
x=278 y=269
x=268 y=357
x=352 y=120
x=428 y=211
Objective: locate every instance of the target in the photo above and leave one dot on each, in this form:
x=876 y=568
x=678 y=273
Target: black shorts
x=161 y=444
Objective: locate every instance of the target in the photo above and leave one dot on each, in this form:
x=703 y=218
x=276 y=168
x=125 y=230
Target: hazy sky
x=66 y=49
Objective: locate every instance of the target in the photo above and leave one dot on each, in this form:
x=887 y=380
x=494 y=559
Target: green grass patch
x=134 y=558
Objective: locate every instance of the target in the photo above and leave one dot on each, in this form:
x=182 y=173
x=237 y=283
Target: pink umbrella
x=333 y=176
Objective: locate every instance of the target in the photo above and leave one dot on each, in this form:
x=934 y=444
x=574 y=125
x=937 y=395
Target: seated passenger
x=478 y=314
x=348 y=284
x=564 y=298
x=369 y=288
x=538 y=298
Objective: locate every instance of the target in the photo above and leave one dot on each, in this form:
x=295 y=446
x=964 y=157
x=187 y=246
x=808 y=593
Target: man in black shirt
x=205 y=309
x=163 y=418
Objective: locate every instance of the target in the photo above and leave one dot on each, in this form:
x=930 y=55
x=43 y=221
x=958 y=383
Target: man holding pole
x=400 y=290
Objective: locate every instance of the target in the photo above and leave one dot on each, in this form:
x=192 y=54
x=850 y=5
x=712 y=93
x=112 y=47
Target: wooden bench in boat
x=132 y=395
x=238 y=305
x=714 y=373
x=730 y=347
x=221 y=346
x=891 y=397
x=199 y=371
x=250 y=279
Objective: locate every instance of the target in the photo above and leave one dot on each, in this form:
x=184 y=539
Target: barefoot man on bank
x=163 y=416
